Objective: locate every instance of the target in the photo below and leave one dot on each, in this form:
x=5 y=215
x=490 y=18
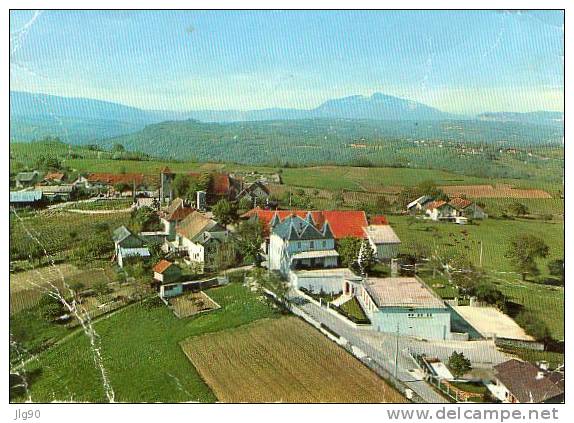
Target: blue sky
x=462 y=62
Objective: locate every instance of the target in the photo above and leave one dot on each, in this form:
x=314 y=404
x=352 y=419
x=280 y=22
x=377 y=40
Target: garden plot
x=26 y=288
x=490 y=321
x=283 y=360
x=192 y=303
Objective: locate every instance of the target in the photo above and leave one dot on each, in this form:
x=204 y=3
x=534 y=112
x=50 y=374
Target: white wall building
x=296 y=243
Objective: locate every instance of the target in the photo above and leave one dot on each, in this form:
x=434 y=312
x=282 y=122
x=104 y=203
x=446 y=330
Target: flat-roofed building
x=403 y=304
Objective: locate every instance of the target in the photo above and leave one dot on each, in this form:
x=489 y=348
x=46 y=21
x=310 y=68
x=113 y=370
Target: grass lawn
x=439 y=284
x=141 y=354
x=495 y=234
x=555 y=359
x=473 y=388
x=353 y=309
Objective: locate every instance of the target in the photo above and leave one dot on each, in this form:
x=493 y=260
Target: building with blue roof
x=25 y=198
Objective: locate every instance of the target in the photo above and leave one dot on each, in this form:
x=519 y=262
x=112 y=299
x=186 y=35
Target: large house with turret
x=298 y=243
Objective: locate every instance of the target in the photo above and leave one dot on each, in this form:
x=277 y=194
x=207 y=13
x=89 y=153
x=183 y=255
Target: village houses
x=197 y=237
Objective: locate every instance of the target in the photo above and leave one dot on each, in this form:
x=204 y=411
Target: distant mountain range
x=82 y=120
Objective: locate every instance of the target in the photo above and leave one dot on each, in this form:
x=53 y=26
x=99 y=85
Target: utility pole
x=397 y=352
x=480 y=260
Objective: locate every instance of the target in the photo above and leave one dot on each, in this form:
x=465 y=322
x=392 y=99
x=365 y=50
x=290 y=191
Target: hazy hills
x=82 y=120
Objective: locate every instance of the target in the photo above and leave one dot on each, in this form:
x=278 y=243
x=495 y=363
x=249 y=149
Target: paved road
x=381 y=347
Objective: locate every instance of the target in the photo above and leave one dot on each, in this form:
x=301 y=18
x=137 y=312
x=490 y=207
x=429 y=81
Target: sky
x=458 y=61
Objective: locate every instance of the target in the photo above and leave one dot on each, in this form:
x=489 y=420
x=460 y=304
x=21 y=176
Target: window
x=299 y=245
x=324 y=243
x=311 y=245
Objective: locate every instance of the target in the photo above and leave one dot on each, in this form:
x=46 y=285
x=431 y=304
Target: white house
x=176 y=212
x=197 y=236
x=383 y=240
x=296 y=243
x=440 y=210
x=403 y=304
x=419 y=204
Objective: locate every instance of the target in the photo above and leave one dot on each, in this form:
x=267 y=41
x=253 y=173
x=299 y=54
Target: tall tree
x=366 y=258
x=523 y=252
x=458 y=364
x=556 y=269
x=349 y=249
x=517 y=209
x=249 y=239
x=225 y=212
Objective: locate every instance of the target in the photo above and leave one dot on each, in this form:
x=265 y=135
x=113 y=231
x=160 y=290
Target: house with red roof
x=467 y=208
x=166 y=272
x=301 y=243
x=343 y=223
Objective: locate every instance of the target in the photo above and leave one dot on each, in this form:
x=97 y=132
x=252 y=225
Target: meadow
x=283 y=360
x=546 y=302
x=141 y=352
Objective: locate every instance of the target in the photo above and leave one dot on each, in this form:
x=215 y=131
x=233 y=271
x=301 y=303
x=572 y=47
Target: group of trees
x=225 y=212
x=144 y=219
x=186 y=186
x=523 y=252
x=47 y=163
x=356 y=254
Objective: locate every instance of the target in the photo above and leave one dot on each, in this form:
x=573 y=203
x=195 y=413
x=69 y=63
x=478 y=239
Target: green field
x=141 y=353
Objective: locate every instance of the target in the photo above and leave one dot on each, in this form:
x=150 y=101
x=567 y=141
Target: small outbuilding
x=166 y=272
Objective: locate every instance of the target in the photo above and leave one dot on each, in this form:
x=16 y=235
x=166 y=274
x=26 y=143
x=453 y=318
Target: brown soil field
x=283 y=360
x=496 y=191
x=189 y=304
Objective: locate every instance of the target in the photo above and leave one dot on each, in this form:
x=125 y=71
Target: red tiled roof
x=460 y=203
x=435 y=204
x=116 y=178
x=343 y=223
x=379 y=220
x=162 y=266
x=54 y=176
x=177 y=211
x=221 y=183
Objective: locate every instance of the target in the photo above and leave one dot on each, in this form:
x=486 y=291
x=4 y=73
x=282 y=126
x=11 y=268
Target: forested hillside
x=448 y=145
